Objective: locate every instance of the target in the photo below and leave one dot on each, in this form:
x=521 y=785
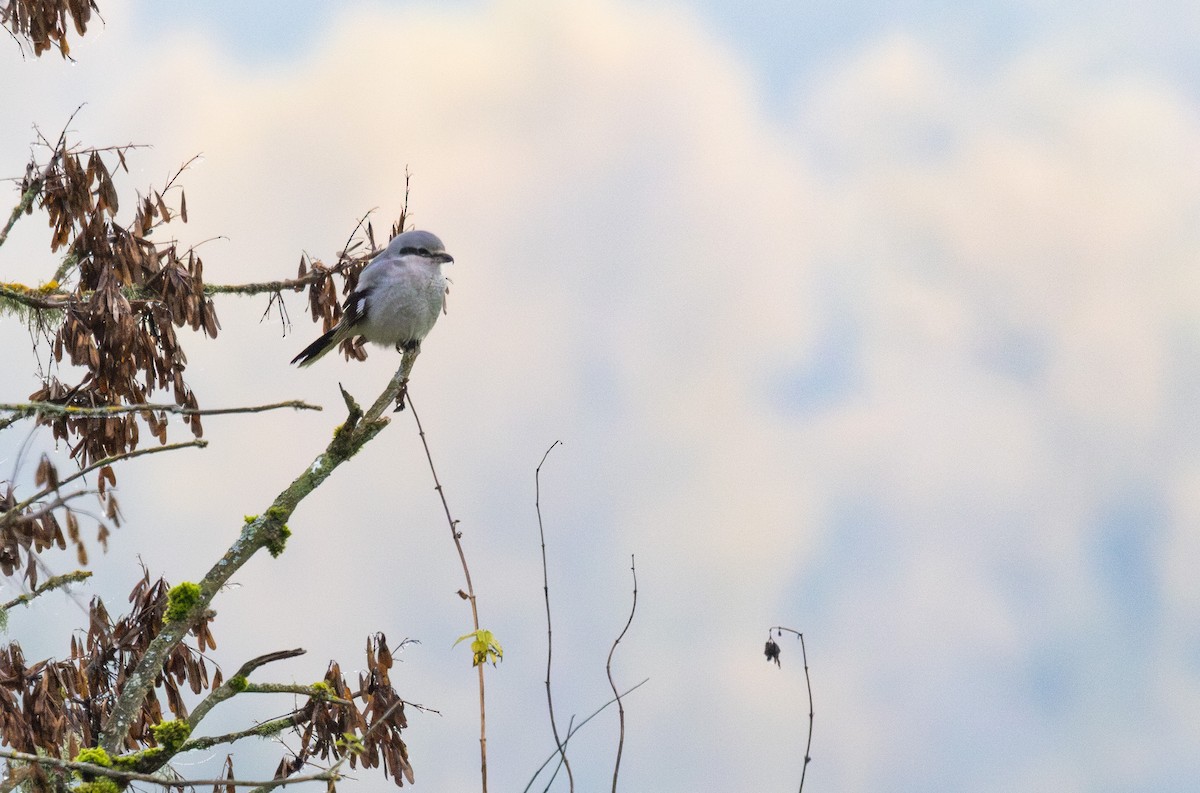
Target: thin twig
x=608 y=671
x=170 y=447
x=44 y=509
x=345 y=254
x=559 y=765
x=572 y=730
x=54 y=409
x=59 y=299
x=807 y=682
x=457 y=536
x=537 y=503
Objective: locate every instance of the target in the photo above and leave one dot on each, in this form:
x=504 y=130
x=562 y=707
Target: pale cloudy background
x=877 y=322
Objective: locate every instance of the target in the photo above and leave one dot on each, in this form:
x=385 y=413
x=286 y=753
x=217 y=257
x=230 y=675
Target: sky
x=879 y=322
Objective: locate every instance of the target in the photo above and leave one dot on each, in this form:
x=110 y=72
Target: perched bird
x=399 y=296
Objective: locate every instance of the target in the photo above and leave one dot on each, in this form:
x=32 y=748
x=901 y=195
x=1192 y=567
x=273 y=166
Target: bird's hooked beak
x=444 y=258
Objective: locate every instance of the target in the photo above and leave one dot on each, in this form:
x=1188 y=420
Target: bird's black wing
x=355 y=307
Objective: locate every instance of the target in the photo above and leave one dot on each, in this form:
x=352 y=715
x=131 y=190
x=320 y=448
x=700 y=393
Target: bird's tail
x=318 y=348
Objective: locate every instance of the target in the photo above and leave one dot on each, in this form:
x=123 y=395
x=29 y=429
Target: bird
x=399 y=296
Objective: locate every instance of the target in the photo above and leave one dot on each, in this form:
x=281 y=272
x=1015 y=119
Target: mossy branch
x=23 y=205
x=54 y=582
x=259 y=532
x=313 y=692
x=268 y=287
x=332 y=775
x=52 y=300
x=264 y=730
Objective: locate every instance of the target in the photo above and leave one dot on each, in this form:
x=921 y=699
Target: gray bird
x=399 y=296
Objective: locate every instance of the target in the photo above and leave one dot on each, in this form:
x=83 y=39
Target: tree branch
x=54 y=582
x=227 y=689
x=264 y=529
x=331 y=775
x=57 y=299
x=26 y=409
x=313 y=692
x=35 y=298
x=31 y=192
x=262 y=287
x=264 y=730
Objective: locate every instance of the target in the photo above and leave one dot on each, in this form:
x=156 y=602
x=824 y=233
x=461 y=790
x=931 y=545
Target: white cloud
x=642 y=257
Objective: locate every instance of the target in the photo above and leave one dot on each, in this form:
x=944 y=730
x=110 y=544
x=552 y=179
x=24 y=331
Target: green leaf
x=484 y=647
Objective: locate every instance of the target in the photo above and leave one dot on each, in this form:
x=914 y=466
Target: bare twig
x=779 y=630
x=608 y=671
x=47 y=508
x=364 y=219
x=24 y=409
x=572 y=730
x=457 y=536
x=170 y=447
x=179 y=172
x=537 y=503
x=58 y=299
x=53 y=582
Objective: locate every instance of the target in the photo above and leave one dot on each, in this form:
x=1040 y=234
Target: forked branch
x=262 y=531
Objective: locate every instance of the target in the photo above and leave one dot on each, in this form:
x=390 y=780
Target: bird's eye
x=423 y=251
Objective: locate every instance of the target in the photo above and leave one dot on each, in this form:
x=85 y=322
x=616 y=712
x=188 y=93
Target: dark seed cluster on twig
x=773 y=652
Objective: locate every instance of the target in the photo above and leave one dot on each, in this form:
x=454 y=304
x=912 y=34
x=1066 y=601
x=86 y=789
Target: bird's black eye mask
x=414 y=251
